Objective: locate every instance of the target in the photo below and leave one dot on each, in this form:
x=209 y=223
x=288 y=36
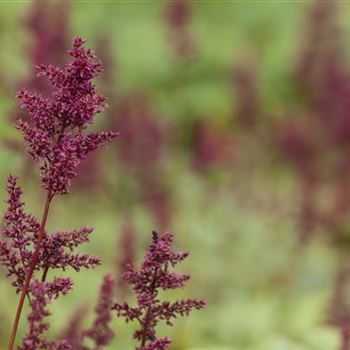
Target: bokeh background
x=234 y=120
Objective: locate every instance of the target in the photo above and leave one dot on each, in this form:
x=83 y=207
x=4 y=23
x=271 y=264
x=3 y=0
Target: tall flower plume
x=100 y=332
x=56 y=137
x=57 y=140
x=153 y=276
x=178 y=16
x=143 y=130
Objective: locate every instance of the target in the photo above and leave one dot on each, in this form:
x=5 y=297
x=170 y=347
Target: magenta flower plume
x=100 y=332
x=56 y=137
x=57 y=140
x=178 y=17
x=56 y=252
x=21 y=230
x=213 y=147
x=142 y=129
x=72 y=331
x=155 y=275
x=245 y=86
x=48 y=23
x=41 y=295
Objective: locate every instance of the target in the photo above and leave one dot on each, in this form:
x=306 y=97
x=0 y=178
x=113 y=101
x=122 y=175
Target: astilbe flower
x=339 y=314
x=153 y=276
x=213 y=147
x=100 y=332
x=296 y=141
x=177 y=16
x=48 y=25
x=57 y=140
x=41 y=295
x=72 y=332
x=20 y=231
x=91 y=172
x=143 y=130
x=244 y=83
x=156 y=197
x=318 y=146
x=316 y=142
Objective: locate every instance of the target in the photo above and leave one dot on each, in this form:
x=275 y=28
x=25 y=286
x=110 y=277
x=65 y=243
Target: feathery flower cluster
x=49 y=25
x=56 y=136
x=72 y=332
x=91 y=173
x=142 y=130
x=316 y=144
x=178 y=14
x=100 y=332
x=245 y=86
x=213 y=147
x=21 y=230
x=41 y=294
x=57 y=140
x=56 y=252
x=155 y=275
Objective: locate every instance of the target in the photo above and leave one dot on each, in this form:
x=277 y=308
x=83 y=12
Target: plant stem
x=145 y=328
x=29 y=275
x=146 y=320
x=43 y=278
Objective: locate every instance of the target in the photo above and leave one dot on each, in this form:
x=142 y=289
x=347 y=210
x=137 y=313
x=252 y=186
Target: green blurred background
x=216 y=179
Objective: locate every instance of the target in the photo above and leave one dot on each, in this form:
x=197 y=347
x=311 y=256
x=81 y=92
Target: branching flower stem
x=30 y=272
x=145 y=323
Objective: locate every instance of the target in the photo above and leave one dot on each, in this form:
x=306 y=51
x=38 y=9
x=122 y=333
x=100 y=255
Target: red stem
x=146 y=320
x=30 y=272
x=43 y=277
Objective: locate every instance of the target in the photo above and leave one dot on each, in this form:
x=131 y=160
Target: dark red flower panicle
x=56 y=136
x=144 y=130
x=178 y=15
x=57 y=139
x=213 y=147
x=154 y=275
x=21 y=230
x=100 y=332
x=41 y=294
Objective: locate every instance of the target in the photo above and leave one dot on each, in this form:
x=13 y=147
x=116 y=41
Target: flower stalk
x=30 y=272
x=57 y=140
